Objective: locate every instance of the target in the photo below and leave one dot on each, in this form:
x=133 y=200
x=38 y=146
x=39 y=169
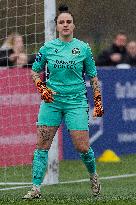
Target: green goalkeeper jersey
x=67 y=63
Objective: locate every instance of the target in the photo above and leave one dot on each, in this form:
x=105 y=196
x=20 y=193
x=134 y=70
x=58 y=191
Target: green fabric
x=89 y=161
x=39 y=168
x=74 y=115
x=66 y=62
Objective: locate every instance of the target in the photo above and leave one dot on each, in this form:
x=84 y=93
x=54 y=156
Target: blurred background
x=97 y=22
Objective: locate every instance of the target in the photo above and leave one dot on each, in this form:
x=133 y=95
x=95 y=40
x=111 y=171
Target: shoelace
x=94 y=182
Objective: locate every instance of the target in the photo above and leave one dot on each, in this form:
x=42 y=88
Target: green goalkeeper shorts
x=73 y=111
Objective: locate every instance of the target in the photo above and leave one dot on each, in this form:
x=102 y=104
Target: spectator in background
x=6 y=50
x=115 y=54
x=8 y=42
x=12 y=52
x=21 y=60
x=131 y=53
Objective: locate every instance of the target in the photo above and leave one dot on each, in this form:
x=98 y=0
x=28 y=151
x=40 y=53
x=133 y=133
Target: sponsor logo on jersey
x=38 y=57
x=65 y=64
x=75 y=51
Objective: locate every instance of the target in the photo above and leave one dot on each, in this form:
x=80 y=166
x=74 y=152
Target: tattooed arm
x=95 y=85
x=98 y=108
x=46 y=93
x=35 y=76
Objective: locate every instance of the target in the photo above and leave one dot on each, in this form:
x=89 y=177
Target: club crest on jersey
x=56 y=50
x=38 y=57
x=75 y=51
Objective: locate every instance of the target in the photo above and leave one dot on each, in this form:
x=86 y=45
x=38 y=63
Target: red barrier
x=19 y=104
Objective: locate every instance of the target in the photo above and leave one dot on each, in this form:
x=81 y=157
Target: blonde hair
x=9 y=41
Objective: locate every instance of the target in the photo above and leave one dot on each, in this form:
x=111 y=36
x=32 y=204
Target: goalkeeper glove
x=98 y=108
x=46 y=93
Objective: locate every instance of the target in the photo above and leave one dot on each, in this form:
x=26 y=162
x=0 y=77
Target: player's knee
x=82 y=149
x=43 y=146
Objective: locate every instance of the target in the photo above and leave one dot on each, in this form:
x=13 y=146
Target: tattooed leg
x=45 y=136
x=40 y=161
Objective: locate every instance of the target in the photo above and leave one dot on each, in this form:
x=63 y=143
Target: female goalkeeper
x=64 y=96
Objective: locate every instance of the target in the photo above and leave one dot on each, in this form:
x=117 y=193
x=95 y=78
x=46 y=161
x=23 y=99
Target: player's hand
x=46 y=93
x=98 y=108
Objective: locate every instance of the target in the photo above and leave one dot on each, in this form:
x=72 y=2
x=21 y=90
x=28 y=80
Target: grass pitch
x=117 y=191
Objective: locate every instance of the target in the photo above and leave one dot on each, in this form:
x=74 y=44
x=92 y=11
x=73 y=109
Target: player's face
x=65 y=25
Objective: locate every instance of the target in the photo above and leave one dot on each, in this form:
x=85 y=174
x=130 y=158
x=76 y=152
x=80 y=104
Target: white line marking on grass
x=119 y=176
x=15 y=183
x=102 y=178
x=65 y=182
x=12 y=188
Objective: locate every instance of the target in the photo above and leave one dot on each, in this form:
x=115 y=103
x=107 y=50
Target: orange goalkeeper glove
x=98 y=108
x=46 y=93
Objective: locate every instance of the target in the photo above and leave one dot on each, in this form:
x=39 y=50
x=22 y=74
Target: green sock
x=89 y=161
x=39 y=167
